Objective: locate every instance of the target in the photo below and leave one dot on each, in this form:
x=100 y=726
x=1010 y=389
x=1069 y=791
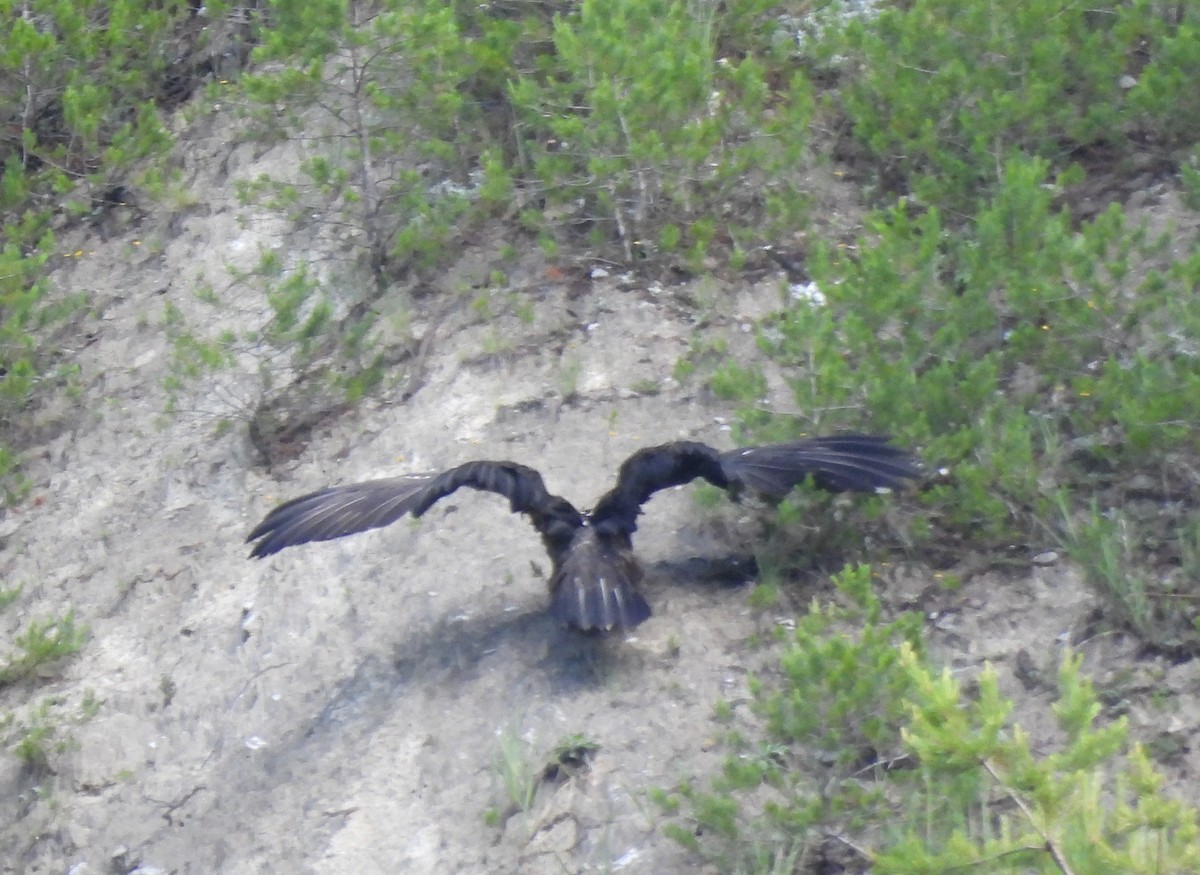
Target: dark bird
x=595 y=575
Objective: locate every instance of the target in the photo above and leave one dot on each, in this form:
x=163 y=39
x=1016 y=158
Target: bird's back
x=595 y=583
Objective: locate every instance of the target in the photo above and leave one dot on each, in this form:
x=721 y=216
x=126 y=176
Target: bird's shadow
x=551 y=660
x=719 y=572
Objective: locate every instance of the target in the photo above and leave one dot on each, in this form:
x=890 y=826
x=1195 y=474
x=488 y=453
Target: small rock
x=1142 y=483
x=1126 y=82
x=946 y=622
x=1049 y=557
x=626 y=859
x=558 y=837
x=598 y=273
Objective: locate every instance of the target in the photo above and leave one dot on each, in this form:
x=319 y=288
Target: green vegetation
x=570 y=755
x=8 y=596
x=629 y=127
x=1041 y=349
x=41 y=644
x=42 y=732
x=944 y=95
x=857 y=750
x=517 y=771
x=647 y=115
x=81 y=88
x=35 y=733
x=997 y=307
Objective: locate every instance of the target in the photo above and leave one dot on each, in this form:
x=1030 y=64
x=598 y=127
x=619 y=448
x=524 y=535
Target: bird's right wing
x=345 y=510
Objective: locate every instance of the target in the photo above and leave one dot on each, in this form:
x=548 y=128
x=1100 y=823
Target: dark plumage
x=595 y=575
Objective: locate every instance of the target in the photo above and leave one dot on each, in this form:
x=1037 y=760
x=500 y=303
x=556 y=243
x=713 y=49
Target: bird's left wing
x=837 y=463
x=345 y=510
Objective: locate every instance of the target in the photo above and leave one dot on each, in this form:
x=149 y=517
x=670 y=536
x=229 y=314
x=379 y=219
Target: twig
x=1051 y=847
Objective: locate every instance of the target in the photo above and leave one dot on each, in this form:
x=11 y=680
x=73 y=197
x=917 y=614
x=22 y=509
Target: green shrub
x=81 y=84
x=41 y=644
x=649 y=116
x=391 y=171
x=861 y=746
x=945 y=93
x=83 y=79
x=989 y=803
x=1033 y=354
x=1024 y=353
x=806 y=763
x=378 y=98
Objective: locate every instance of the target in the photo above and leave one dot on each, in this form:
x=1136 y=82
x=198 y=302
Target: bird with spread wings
x=594 y=581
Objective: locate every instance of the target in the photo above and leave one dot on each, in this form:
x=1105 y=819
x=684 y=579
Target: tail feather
x=595 y=587
x=839 y=463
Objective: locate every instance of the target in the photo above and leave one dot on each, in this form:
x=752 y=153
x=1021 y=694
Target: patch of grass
x=764 y=596
x=569 y=371
x=518 y=771
x=8 y=596
x=647 y=386
x=709 y=497
x=38 y=740
x=734 y=382
x=42 y=733
x=1163 y=608
x=515 y=771
x=570 y=755
x=40 y=645
x=703 y=357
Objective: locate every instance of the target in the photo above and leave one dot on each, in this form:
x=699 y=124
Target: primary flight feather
x=595 y=576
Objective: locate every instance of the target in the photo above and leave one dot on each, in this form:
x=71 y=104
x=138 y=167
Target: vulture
x=594 y=579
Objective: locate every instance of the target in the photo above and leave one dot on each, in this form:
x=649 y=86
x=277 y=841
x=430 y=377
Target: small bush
x=41 y=644
x=862 y=750
x=945 y=94
x=1026 y=355
x=825 y=724
x=651 y=116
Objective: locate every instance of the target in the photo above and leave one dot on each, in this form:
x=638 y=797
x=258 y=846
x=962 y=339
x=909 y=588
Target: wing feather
x=345 y=510
x=853 y=462
x=650 y=470
x=840 y=463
